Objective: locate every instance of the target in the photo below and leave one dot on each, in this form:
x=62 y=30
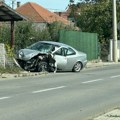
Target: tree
x=92 y=1
x=5 y=33
x=23 y=33
x=97 y=18
x=55 y=27
x=72 y=1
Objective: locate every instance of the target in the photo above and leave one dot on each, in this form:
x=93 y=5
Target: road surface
x=60 y=96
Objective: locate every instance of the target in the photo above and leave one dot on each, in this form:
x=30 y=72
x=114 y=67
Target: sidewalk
x=112 y=115
x=99 y=64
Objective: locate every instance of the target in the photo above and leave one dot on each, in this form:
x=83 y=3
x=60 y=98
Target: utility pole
x=13 y=4
x=115 y=55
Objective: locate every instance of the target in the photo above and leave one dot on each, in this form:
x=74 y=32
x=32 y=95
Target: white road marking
x=90 y=81
x=49 y=89
x=115 y=76
x=2 y=98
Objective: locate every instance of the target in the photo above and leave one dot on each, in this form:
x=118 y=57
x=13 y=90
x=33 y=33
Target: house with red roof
x=39 y=15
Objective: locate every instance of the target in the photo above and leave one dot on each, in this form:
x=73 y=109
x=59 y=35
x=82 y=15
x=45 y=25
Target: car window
x=61 y=51
x=58 y=52
x=70 y=52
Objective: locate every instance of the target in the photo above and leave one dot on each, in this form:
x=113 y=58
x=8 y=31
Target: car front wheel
x=42 y=66
x=77 y=67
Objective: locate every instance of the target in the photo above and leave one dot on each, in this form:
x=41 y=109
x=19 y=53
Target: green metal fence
x=82 y=41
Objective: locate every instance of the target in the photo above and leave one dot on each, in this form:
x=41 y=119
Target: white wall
x=110 y=56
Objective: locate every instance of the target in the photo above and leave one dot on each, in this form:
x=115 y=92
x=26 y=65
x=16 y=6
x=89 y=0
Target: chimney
x=60 y=14
x=18 y=4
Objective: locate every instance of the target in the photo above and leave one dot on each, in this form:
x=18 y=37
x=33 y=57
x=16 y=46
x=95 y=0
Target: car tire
x=77 y=67
x=42 y=66
x=51 y=69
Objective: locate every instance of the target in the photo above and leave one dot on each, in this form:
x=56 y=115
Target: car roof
x=55 y=43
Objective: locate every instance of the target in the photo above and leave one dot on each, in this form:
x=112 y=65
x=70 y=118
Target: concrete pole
x=111 y=50
x=115 y=55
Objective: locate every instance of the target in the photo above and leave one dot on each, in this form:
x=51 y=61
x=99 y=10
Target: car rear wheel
x=77 y=67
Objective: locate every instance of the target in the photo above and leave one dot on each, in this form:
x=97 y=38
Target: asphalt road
x=61 y=96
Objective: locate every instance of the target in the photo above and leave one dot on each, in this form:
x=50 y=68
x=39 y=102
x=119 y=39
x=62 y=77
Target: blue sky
x=59 y=5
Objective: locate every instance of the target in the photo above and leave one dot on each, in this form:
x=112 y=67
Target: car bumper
x=84 y=63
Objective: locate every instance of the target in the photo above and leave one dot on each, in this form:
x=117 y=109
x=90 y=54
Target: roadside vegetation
x=10 y=66
x=10 y=69
x=26 y=33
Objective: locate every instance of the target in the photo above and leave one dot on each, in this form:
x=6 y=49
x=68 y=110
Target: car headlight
x=21 y=54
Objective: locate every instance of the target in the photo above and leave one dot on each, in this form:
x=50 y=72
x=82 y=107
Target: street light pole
x=115 y=55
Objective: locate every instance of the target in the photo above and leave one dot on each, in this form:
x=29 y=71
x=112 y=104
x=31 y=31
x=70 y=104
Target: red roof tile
x=37 y=13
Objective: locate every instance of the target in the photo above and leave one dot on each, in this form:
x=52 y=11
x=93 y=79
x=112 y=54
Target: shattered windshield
x=42 y=47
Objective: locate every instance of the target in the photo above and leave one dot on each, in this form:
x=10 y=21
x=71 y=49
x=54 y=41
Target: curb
x=26 y=74
x=100 y=64
x=22 y=74
x=112 y=115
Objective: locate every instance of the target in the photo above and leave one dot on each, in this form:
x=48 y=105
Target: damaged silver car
x=51 y=56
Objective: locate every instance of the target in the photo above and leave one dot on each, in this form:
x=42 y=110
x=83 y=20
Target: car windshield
x=42 y=47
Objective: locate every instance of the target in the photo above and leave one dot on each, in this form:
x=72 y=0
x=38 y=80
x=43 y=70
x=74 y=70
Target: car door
x=60 y=58
x=71 y=58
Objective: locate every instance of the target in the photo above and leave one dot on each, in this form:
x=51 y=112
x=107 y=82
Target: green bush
x=11 y=70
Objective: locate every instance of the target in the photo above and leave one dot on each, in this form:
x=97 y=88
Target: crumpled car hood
x=27 y=54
